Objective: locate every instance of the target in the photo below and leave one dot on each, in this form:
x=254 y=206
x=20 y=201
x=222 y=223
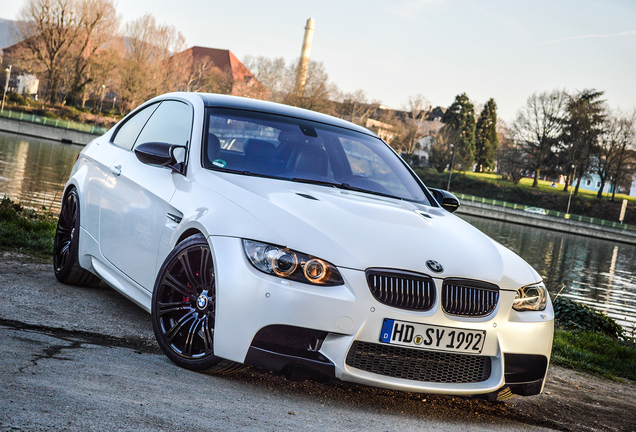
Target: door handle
x=116 y=170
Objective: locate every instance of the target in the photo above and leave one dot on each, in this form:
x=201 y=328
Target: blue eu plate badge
x=387 y=330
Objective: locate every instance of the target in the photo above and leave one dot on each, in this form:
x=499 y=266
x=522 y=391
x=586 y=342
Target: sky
x=504 y=49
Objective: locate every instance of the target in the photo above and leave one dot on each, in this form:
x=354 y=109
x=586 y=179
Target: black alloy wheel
x=184 y=306
x=66 y=245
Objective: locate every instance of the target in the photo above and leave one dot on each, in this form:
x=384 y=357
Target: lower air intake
x=418 y=365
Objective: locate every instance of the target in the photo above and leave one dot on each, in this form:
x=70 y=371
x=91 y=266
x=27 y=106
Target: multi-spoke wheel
x=66 y=244
x=183 y=307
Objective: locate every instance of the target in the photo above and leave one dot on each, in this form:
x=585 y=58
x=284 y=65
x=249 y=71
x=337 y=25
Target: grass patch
x=590 y=341
x=26 y=230
x=595 y=353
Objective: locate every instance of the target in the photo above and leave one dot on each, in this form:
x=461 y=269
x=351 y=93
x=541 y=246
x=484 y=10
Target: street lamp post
x=567 y=212
x=6 y=87
x=451 y=168
x=101 y=101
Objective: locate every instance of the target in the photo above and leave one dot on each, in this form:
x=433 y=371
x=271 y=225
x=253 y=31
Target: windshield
x=293 y=149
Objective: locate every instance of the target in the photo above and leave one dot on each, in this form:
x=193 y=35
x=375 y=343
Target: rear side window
x=127 y=134
x=170 y=123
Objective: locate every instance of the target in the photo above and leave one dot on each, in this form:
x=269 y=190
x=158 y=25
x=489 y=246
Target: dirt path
x=31 y=298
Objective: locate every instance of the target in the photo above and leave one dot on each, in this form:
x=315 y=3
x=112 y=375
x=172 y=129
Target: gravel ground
x=85 y=359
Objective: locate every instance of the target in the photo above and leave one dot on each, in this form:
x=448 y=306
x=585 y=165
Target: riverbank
x=46 y=129
x=570 y=226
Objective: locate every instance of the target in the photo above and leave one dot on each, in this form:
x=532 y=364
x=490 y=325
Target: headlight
x=531 y=298
x=286 y=263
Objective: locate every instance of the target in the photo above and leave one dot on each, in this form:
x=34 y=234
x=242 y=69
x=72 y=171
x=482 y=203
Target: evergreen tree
x=486 y=140
x=460 y=120
x=582 y=128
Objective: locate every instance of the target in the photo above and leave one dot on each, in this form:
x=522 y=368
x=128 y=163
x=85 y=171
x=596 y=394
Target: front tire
x=184 y=306
x=66 y=245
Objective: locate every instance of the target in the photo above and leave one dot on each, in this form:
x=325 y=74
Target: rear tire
x=184 y=307
x=66 y=245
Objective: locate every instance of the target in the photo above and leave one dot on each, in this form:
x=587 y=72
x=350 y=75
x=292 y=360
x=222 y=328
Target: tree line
x=82 y=50
x=572 y=135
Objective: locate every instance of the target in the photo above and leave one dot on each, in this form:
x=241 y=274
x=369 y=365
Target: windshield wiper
x=344 y=186
x=347 y=186
x=316 y=182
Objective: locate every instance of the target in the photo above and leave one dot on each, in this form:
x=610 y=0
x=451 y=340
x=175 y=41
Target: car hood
x=359 y=230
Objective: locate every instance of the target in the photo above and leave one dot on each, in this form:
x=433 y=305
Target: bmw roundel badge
x=434 y=266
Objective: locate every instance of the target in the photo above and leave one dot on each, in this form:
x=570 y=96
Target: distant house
x=381 y=129
x=435 y=114
x=28 y=84
x=203 y=60
x=592 y=182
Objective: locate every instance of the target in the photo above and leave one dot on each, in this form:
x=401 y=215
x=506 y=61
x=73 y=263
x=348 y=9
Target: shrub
x=570 y=315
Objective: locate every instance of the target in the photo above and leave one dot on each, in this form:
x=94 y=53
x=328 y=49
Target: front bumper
x=249 y=301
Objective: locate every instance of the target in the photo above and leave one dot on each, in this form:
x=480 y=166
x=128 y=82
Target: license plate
x=432 y=337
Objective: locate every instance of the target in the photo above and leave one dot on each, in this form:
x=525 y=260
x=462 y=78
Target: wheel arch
x=189 y=232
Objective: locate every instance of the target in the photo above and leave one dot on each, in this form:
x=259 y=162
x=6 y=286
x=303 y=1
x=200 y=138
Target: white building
x=28 y=84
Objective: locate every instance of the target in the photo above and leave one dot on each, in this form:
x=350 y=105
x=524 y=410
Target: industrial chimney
x=301 y=76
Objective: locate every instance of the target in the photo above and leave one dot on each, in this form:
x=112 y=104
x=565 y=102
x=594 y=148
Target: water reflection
x=33 y=171
x=599 y=273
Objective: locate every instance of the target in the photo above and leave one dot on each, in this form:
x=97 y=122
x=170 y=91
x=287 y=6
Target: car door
x=135 y=199
x=97 y=159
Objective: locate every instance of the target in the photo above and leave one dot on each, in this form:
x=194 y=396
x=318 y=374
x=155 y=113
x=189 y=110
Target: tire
x=184 y=307
x=66 y=245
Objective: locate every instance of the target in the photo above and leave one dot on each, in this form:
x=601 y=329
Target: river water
x=599 y=273
x=34 y=171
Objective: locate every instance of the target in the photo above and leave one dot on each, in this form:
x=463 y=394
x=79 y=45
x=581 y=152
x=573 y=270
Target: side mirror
x=161 y=154
x=447 y=200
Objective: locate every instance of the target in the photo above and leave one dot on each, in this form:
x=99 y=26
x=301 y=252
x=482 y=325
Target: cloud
x=591 y=36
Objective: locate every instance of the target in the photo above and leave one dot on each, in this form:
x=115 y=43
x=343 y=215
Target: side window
x=128 y=133
x=171 y=123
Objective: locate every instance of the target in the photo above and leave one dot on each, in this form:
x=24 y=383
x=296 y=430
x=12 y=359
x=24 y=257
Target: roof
x=222 y=59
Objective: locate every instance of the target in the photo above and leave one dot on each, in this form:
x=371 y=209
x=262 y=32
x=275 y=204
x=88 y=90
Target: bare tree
x=149 y=68
x=538 y=126
x=414 y=128
x=104 y=69
x=440 y=151
x=511 y=157
x=98 y=24
x=49 y=29
x=272 y=74
x=318 y=93
x=357 y=108
x=615 y=158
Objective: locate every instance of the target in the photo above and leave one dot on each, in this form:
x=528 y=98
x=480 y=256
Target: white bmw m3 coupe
x=261 y=234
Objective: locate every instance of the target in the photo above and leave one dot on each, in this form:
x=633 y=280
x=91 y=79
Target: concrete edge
x=66 y=136
x=520 y=217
